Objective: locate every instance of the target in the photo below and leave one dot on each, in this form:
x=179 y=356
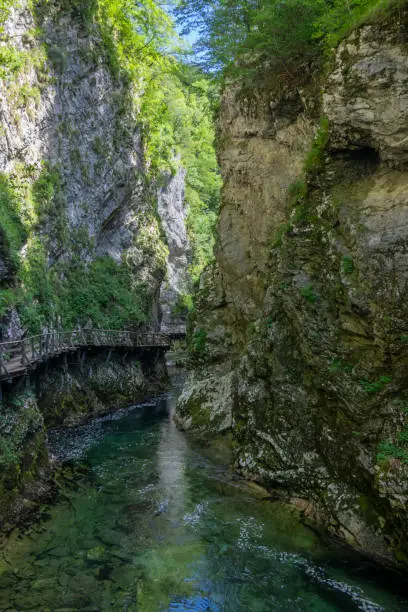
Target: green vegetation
x=75 y=157
x=12 y=230
x=178 y=113
x=26 y=93
x=315 y=157
x=8 y=298
x=299 y=214
x=14 y=61
x=256 y=29
x=348 y=265
x=397 y=447
x=297 y=192
x=375 y=386
x=297 y=195
x=291 y=36
x=279 y=234
x=390 y=450
x=198 y=343
x=98 y=146
x=49 y=202
x=184 y=304
x=343 y=16
x=5 y=6
x=102 y=291
x=308 y=294
x=339 y=366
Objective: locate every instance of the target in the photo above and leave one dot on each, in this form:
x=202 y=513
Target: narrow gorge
x=203 y=321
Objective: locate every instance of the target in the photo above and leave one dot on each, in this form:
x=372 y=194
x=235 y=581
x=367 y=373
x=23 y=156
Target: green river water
x=158 y=523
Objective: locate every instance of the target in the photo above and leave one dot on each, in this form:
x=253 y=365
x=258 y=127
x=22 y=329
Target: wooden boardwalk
x=19 y=357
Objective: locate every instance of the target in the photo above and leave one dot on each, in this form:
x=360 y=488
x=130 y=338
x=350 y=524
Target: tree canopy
x=292 y=33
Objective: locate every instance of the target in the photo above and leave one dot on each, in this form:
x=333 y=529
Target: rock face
x=93 y=384
x=173 y=216
x=264 y=139
x=11 y=326
x=71 y=126
x=67 y=114
x=22 y=444
x=305 y=312
x=365 y=97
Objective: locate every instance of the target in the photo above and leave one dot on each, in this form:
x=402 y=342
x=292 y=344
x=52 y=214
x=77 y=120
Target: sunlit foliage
x=291 y=33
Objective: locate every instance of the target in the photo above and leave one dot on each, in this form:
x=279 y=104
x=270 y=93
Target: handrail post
x=24 y=360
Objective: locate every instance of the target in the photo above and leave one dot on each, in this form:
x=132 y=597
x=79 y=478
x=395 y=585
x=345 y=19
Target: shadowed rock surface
x=303 y=319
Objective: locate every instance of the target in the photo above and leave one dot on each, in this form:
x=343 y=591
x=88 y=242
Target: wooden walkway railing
x=20 y=356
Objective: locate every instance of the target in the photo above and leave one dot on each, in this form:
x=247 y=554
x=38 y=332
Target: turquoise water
x=157 y=523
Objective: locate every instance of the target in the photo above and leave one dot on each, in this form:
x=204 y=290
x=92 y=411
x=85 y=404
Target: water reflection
x=171 y=461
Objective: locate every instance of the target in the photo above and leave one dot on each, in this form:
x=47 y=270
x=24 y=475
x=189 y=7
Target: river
x=158 y=523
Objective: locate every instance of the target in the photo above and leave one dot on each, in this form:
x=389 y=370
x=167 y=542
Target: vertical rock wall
x=67 y=114
x=264 y=137
x=317 y=399
x=173 y=216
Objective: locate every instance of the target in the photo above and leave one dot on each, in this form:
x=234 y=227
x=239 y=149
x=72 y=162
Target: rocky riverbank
x=62 y=395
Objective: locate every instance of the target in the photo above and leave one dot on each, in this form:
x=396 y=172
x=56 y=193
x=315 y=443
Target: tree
x=237 y=36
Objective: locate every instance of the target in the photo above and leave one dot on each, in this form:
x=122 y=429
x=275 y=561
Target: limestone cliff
x=264 y=137
x=173 y=215
x=72 y=156
x=301 y=327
